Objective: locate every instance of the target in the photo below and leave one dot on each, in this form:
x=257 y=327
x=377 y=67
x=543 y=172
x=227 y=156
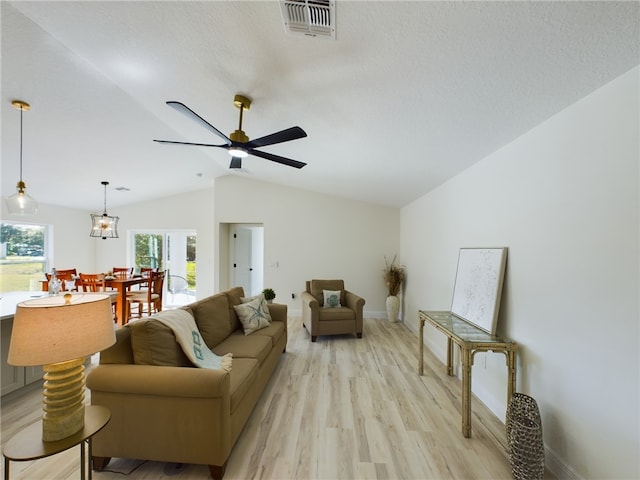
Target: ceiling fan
x=237 y=143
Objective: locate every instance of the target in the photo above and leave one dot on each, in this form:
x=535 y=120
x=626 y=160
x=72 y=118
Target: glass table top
x=462 y=329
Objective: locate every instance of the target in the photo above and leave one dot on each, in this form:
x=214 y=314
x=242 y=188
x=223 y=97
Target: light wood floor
x=340 y=408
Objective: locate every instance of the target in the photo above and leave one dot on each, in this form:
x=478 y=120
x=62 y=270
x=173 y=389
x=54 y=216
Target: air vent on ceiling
x=314 y=18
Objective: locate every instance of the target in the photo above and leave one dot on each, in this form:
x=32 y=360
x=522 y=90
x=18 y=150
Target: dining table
x=122 y=284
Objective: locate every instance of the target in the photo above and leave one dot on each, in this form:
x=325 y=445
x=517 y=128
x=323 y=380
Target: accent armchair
x=341 y=312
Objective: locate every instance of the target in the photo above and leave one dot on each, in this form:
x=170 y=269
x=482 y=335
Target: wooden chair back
x=157 y=282
x=122 y=271
x=92 y=282
x=62 y=276
x=70 y=271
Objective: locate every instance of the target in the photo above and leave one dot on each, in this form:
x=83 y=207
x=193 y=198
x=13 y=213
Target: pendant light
x=104 y=226
x=20 y=203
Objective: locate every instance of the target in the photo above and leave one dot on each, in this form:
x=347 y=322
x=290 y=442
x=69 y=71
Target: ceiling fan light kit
x=21 y=203
x=238 y=144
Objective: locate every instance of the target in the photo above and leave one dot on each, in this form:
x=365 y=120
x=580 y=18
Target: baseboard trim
x=559 y=468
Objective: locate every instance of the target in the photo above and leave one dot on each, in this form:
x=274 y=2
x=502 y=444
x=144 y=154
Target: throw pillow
x=331 y=298
x=253 y=315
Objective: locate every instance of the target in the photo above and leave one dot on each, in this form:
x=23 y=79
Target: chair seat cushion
x=143 y=297
x=336 y=313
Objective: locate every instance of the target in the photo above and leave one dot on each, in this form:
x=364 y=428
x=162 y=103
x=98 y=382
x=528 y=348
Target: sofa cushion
x=317 y=286
x=273 y=331
x=155 y=344
x=242 y=346
x=121 y=351
x=234 y=295
x=253 y=315
x=243 y=375
x=212 y=317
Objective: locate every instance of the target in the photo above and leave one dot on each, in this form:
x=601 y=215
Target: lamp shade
x=21 y=203
x=50 y=330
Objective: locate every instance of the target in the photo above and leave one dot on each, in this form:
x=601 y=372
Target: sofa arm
x=354 y=302
x=310 y=309
x=278 y=312
x=157 y=380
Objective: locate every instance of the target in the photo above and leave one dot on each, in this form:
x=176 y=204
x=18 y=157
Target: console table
x=471 y=340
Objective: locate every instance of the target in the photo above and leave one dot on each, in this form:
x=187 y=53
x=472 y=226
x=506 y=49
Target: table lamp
x=59 y=332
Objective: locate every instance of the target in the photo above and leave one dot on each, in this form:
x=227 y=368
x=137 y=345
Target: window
x=23 y=256
x=173 y=251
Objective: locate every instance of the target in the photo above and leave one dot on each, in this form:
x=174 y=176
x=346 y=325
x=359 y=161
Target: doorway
x=173 y=251
x=246 y=257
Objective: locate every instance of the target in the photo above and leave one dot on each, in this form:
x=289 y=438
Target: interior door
x=241 y=262
x=247 y=257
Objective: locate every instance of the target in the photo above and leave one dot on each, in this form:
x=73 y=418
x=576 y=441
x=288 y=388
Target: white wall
x=308 y=234
x=564 y=199
x=72 y=247
x=311 y=235
x=189 y=211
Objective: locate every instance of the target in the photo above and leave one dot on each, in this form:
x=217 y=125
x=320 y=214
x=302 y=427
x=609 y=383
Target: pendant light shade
x=104 y=226
x=20 y=203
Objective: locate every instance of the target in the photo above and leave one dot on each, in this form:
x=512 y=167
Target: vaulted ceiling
x=406 y=96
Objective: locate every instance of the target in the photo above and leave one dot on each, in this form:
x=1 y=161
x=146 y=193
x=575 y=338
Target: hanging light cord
x=21 y=110
x=104 y=213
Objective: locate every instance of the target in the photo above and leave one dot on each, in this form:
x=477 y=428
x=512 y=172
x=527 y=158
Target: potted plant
x=394 y=277
x=269 y=294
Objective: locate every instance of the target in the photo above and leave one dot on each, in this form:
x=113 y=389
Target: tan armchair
x=319 y=319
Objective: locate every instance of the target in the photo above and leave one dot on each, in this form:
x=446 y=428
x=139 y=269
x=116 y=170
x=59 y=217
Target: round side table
x=28 y=445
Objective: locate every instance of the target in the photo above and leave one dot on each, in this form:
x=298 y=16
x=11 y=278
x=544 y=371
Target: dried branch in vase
x=394 y=276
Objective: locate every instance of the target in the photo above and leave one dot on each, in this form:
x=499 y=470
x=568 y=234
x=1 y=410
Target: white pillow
x=253 y=315
x=331 y=298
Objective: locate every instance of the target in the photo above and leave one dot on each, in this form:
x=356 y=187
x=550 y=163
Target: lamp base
x=63 y=399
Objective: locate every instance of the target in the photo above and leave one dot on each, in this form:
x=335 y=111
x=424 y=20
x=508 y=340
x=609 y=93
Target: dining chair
x=145 y=272
x=65 y=276
x=152 y=297
x=95 y=283
x=122 y=271
x=69 y=271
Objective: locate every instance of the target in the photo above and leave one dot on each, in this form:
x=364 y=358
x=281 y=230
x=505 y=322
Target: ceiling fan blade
x=236 y=162
x=277 y=159
x=191 y=143
x=182 y=108
x=287 y=135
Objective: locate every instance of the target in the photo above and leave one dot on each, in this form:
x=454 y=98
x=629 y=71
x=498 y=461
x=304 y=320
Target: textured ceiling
x=407 y=96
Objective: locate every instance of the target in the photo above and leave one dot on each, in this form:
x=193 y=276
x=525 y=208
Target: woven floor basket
x=524 y=438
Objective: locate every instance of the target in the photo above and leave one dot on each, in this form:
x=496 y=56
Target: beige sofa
x=163 y=408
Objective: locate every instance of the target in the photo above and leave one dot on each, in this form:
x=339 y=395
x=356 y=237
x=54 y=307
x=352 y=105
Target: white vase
x=393 y=308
